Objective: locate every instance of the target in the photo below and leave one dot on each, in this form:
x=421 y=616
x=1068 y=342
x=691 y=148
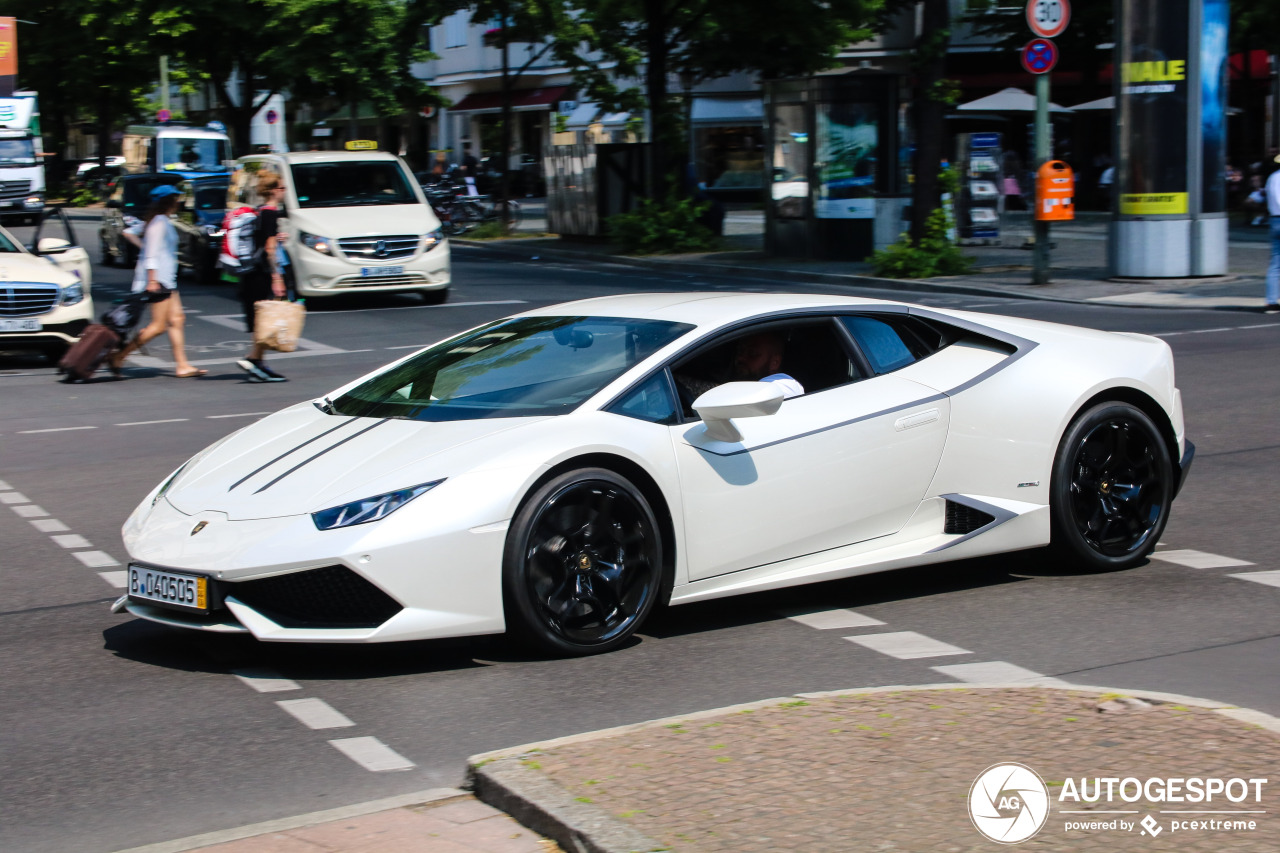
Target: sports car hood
x=301 y=460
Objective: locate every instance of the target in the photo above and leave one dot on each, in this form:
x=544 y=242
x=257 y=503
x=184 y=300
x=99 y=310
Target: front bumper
x=281 y=580
x=326 y=275
x=52 y=335
x=1184 y=466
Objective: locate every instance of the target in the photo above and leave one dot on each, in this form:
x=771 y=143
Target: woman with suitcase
x=157 y=272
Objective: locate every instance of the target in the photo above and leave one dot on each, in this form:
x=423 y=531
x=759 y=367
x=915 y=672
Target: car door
x=843 y=463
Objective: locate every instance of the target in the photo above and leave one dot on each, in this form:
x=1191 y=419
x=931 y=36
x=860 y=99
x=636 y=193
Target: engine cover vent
x=965 y=519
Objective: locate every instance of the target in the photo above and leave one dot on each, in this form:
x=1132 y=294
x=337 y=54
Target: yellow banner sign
x=1153 y=203
x=361 y=145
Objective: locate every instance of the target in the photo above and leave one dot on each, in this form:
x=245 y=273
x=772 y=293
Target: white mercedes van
x=356 y=221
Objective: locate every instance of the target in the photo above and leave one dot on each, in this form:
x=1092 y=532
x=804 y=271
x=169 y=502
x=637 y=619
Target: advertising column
x=1170 y=220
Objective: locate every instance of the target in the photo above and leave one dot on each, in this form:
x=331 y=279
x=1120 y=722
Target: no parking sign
x=1039 y=56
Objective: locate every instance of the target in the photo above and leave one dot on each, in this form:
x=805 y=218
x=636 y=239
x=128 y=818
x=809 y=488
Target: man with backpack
x=249 y=250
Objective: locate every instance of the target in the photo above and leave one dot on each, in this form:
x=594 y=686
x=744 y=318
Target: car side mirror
x=718 y=406
x=52 y=246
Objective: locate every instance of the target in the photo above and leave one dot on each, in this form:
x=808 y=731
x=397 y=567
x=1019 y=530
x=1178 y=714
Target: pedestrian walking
x=265 y=280
x=157 y=272
x=1273 y=269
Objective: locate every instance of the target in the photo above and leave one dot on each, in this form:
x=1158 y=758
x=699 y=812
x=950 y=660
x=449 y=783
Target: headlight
x=34 y=201
x=323 y=245
x=430 y=241
x=368 y=509
x=73 y=293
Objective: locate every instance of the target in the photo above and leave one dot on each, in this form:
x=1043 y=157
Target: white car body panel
x=840 y=482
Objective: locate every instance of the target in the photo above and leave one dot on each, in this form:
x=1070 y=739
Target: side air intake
x=965 y=519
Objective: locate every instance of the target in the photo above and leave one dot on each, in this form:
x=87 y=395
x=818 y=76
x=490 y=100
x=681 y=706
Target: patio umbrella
x=1009 y=100
x=1107 y=103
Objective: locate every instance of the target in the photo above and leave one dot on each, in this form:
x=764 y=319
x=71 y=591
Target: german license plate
x=378 y=272
x=23 y=325
x=169 y=589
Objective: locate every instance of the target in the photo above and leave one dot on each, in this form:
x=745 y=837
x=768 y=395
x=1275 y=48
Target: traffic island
x=955 y=768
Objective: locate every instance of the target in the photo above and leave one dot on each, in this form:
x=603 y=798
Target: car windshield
x=17 y=152
x=514 y=368
x=211 y=197
x=137 y=193
x=199 y=154
x=351 y=184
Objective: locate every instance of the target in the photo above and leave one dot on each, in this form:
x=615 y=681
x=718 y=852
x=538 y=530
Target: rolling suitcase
x=87 y=354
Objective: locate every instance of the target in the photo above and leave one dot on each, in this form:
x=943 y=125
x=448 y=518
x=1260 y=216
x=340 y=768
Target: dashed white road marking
x=1198 y=559
x=29 y=510
x=14 y=498
x=49 y=525
x=372 y=754
x=315 y=713
x=265 y=680
x=53 y=429
x=149 y=423
x=828 y=619
x=906 y=645
x=1220 y=329
x=238 y=415
x=995 y=672
x=72 y=540
x=117 y=579
x=4 y=487
x=96 y=559
x=1271 y=578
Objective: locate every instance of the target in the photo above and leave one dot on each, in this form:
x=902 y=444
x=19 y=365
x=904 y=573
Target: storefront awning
x=728 y=112
x=521 y=99
x=588 y=114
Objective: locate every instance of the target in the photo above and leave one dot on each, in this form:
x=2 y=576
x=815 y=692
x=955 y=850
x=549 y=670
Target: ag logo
x=1008 y=803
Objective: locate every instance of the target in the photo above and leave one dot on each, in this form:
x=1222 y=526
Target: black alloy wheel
x=583 y=564
x=1112 y=487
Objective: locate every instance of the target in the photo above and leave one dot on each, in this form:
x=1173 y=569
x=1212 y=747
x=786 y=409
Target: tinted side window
x=652 y=401
x=891 y=343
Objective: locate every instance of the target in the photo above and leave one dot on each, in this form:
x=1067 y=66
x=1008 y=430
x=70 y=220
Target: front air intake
x=963 y=519
x=331 y=597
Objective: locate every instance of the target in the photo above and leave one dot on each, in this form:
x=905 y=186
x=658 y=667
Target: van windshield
x=351 y=183
x=193 y=154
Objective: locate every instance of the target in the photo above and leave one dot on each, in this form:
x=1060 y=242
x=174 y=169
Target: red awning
x=521 y=99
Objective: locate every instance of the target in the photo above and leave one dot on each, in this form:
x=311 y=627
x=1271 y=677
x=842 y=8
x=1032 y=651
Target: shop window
x=731 y=158
x=789 y=163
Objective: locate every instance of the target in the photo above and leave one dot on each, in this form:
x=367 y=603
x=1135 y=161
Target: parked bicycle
x=459 y=212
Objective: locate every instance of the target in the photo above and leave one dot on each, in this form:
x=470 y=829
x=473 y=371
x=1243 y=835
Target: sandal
x=194 y=372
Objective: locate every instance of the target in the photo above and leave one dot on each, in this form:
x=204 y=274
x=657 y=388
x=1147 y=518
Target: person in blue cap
x=157 y=273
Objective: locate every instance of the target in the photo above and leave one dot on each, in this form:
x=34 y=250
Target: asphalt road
x=115 y=732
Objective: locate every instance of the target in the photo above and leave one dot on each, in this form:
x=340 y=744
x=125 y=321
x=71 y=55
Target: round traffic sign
x=1039 y=56
x=163 y=115
x=272 y=116
x=1048 y=18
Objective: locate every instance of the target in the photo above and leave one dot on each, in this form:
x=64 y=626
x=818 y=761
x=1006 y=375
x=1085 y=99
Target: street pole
x=164 y=82
x=1040 y=251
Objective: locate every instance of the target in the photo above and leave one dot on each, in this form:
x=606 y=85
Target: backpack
x=240 y=254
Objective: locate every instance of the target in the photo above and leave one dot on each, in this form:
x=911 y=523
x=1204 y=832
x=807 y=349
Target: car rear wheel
x=1112 y=488
x=583 y=564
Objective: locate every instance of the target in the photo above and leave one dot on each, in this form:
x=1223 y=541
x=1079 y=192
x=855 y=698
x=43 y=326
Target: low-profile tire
x=1111 y=490
x=435 y=297
x=583 y=564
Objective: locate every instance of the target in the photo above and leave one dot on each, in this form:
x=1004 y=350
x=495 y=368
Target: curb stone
x=942 y=284
x=544 y=807
x=504 y=778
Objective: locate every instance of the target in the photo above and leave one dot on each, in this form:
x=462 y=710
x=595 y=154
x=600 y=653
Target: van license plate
x=25 y=325
x=169 y=589
x=379 y=272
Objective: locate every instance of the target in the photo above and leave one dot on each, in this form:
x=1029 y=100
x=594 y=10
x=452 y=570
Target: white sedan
x=560 y=473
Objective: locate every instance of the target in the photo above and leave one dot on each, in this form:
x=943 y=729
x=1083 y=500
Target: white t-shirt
x=159 y=253
x=1273 y=193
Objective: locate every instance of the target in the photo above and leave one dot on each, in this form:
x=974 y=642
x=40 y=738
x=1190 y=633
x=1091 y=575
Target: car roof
x=702 y=309
x=293 y=157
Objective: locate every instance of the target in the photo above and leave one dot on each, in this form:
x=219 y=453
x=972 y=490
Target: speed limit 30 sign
x=1048 y=18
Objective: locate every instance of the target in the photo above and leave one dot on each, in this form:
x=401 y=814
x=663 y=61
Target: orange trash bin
x=1055 y=192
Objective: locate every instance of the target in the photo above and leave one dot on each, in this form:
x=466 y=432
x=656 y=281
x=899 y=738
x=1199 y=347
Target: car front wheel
x=1112 y=488
x=583 y=564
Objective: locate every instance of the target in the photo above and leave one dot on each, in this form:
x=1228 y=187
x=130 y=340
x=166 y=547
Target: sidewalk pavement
x=1078 y=265
x=887 y=768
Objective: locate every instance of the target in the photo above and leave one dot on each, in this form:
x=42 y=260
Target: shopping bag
x=277 y=324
